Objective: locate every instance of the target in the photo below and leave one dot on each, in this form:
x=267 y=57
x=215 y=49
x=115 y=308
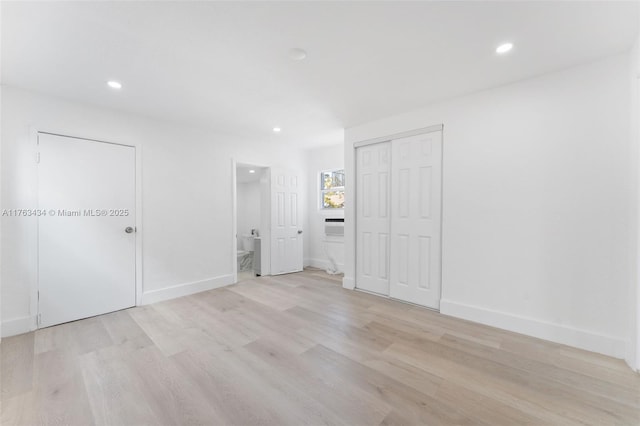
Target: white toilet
x=245 y=253
x=247 y=242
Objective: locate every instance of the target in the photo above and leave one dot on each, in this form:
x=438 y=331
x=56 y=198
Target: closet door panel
x=415 y=225
x=373 y=169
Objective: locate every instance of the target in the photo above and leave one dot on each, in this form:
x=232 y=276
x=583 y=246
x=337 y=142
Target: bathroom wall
x=249 y=209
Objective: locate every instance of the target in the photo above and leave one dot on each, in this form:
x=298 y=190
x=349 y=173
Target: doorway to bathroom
x=252 y=221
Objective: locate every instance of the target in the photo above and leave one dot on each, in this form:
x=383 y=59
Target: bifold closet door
x=416 y=187
x=372 y=217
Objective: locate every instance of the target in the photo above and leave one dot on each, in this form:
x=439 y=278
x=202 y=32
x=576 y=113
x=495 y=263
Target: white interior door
x=372 y=215
x=415 y=227
x=286 y=222
x=86 y=258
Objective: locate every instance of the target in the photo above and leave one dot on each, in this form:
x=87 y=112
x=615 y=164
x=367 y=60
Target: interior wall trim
x=421 y=131
x=558 y=333
x=186 y=289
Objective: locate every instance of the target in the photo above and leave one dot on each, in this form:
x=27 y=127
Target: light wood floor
x=298 y=349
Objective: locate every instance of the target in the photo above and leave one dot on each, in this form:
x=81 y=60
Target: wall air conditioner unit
x=334 y=227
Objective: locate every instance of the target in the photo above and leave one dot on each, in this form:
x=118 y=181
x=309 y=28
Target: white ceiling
x=224 y=65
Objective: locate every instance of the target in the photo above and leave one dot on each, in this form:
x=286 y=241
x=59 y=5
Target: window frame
x=323 y=191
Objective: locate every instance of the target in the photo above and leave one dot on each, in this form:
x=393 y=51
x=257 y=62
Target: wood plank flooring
x=298 y=349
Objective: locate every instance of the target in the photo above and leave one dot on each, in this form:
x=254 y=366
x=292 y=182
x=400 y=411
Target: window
x=332 y=189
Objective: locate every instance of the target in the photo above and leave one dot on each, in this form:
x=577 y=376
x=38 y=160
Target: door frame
x=265 y=235
x=350 y=283
x=137 y=149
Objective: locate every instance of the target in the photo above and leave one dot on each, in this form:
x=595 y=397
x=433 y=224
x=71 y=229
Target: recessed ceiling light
x=297 y=54
x=504 y=48
x=277 y=129
x=252 y=171
x=114 y=84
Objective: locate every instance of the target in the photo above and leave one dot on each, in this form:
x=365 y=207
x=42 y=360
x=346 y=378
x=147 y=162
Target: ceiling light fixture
x=297 y=54
x=114 y=84
x=252 y=171
x=277 y=129
x=504 y=48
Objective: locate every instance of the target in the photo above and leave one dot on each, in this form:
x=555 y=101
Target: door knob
x=128 y=229
x=299 y=231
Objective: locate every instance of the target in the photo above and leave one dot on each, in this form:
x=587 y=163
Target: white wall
x=249 y=208
x=321 y=246
x=536 y=224
x=187 y=184
x=633 y=353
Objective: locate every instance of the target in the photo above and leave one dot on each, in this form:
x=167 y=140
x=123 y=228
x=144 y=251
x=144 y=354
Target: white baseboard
x=349 y=283
x=630 y=356
x=26 y=324
x=583 y=339
x=185 y=289
x=322 y=264
x=15 y=326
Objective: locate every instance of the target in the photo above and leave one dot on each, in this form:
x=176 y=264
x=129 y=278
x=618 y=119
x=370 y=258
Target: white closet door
x=372 y=215
x=416 y=226
x=87 y=240
x=286 y=223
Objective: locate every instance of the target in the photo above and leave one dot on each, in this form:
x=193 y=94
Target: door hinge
x=38 y=157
